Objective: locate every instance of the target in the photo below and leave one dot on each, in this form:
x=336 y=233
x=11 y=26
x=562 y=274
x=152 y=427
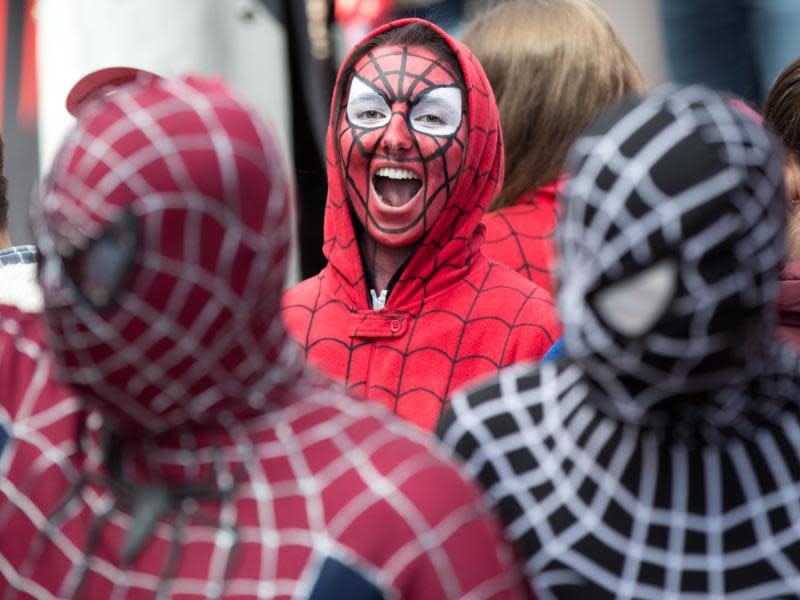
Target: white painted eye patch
x=634 y=305
x=366 y=107
x=437 y=112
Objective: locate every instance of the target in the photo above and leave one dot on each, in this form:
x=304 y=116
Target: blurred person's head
x=102 y=82
x=782 y=116
x=400 y=117
x=670 y=245
x=554 y=66
x=164 y=234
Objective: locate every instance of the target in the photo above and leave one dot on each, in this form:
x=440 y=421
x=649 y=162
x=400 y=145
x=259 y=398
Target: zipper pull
x=378 y=302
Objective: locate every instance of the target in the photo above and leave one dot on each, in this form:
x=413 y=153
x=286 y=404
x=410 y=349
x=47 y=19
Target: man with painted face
x=661 y=457
x=408 y=309
x=169 y=440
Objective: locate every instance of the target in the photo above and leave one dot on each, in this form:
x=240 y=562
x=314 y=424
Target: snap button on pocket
x=395 y=326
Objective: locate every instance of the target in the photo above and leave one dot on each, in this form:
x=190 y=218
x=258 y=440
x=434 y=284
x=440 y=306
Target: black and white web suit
x=661 y=458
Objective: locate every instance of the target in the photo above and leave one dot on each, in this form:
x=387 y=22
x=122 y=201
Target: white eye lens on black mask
x=634 y=305
x=99 y=270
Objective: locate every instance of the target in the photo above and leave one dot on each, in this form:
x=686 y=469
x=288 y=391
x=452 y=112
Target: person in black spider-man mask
x=659 y=457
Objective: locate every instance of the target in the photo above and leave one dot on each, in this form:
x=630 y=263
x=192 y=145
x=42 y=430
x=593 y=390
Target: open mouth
x=396 y=187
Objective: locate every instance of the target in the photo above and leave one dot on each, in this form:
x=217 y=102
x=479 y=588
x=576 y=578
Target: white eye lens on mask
x=365 y=106
x=634 y=305
x=437 y=112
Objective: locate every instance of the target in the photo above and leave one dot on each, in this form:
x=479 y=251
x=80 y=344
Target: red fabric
x=325 y=476
x=789 y=304
x=256 y=471
x=99 y=82
x=27 y=107
x=189 y=285
x=367 y=11
x=744 y=107
x=522 y=236
x=452 y=315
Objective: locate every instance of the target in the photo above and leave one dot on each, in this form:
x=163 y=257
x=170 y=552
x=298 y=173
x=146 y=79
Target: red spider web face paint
x=402 y=139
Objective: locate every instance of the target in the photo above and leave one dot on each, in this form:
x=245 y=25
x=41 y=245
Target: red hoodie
x=172 y=442
x=522 y=236
x=452 y=315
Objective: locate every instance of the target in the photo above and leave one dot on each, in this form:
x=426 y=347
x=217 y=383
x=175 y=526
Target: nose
x=397 y=138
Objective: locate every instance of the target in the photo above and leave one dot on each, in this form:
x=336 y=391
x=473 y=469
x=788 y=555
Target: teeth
x=396 y=173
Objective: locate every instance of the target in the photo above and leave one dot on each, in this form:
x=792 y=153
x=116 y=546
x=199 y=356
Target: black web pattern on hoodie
x=608 y=502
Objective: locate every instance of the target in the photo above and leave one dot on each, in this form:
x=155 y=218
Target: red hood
x=546 y=194
x=457 y=233
x=191 y=335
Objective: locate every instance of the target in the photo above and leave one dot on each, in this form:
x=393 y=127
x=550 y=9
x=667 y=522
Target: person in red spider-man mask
x=408 y=309
x=168 y=440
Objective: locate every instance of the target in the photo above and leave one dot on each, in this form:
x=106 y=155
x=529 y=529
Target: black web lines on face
x=395 y=91
x=426 y=149
x=362 y=189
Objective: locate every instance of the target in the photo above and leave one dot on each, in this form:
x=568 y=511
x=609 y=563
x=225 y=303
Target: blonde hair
x=554 y=66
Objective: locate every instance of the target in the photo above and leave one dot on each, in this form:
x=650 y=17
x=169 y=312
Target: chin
x=395 y=240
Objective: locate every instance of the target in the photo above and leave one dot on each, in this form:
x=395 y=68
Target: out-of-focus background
x=281 y=55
